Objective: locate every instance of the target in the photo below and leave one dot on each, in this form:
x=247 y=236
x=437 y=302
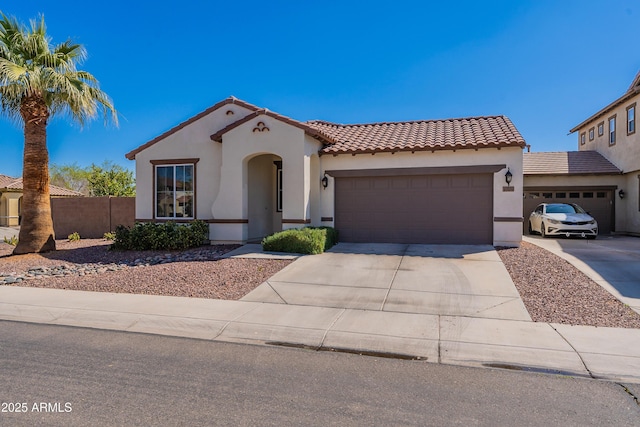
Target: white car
x=562 y=219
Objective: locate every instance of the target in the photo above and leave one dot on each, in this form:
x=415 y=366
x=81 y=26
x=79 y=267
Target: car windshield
x=562 y=208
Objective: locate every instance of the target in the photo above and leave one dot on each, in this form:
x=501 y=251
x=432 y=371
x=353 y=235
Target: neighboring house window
x=279 y=189
x=592 y=133
x=631 y=119
x=612 y=130
x=583 y=138
x=175 y=191
x=600 y=128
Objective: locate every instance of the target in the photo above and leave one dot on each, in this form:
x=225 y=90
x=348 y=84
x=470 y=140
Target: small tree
x=111 y=180
x=70 y=176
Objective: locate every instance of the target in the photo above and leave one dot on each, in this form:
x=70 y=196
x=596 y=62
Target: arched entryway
x=264 y=180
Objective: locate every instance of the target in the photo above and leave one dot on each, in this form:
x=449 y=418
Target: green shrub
x=161 y=236
x=110 y=235
x=332 y=236
x=74 y=237
x=308 y=240
x=13 y=240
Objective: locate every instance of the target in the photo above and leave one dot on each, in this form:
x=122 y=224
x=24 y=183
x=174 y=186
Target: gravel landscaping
x=555 y=291
x=89 y=265
x=551 y=288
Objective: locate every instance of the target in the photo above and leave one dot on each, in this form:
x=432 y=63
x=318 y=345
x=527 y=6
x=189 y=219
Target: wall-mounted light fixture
x=325 y=181
x=621 y=194
x=508 y=177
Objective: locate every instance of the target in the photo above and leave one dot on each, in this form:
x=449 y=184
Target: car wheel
x=530 y=229
x=543 y=232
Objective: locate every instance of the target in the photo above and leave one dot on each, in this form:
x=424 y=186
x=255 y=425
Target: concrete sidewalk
x=606 y=353
x=8 y=232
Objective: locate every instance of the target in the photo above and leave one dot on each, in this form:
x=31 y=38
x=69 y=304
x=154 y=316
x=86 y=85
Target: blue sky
x=546 y=64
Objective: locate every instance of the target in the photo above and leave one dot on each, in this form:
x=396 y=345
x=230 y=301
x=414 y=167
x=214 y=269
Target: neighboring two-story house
x=613 y=133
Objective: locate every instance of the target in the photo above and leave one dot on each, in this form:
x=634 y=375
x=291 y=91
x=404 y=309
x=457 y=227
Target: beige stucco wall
x=630 y=205
x=506 y=204
x=9 y=209
x=192 y=141
x=625 y=154
x=245 y=142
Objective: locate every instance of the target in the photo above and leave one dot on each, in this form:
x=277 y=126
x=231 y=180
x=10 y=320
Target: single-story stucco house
x=249 y=172
x=11 y=199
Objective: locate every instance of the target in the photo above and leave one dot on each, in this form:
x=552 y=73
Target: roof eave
x=306 y=128
x=131 y=155
x=571 y=174
x=417 y=149
x=630 y=94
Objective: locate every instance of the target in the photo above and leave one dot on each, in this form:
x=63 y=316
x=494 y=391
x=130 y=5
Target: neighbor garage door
x=597 y=201
x=456 y=209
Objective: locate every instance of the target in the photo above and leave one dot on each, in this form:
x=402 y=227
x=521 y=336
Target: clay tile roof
x=5 y=180
x=15 y=184
x=426 y=135
x=568 y=163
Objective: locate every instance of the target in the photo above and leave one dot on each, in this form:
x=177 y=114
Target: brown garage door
x=598 y=202
x=456 y=209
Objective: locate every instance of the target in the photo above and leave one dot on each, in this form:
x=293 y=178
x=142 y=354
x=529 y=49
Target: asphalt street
x=66 y=376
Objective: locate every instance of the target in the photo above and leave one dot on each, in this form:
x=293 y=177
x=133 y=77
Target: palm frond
x=30 y=66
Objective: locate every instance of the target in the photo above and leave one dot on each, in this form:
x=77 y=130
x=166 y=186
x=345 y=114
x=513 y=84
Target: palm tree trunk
x=36 y=229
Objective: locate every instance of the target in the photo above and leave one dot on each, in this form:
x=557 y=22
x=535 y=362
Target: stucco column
x=296 y=175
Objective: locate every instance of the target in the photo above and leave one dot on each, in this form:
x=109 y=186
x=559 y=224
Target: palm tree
x=39 y=81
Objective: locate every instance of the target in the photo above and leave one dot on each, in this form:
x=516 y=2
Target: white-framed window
x=592 y=134
x=600 y=128
x=583 y=138
x=175 y=191
x=631 y=119
x=612 y=130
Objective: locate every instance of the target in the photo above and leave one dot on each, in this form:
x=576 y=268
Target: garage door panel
x=415 y=209
x=439 y=182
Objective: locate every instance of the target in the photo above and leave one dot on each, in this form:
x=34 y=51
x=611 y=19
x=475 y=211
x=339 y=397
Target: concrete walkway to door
x=453 y=280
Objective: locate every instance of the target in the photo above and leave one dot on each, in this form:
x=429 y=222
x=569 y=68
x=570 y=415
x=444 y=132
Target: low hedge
x=160 y=236
x=307 y=240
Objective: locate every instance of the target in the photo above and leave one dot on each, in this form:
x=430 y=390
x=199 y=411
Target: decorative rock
x=65 y=270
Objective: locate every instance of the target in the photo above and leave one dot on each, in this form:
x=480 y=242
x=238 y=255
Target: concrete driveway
x=611 y=261
x=455 y=280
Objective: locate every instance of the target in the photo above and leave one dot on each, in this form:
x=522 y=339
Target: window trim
x=592 y=133
x=583 y=138
x=174 y=162
x=601 y=128
x=630 y=107
x=612 y=132
x=279 y=188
